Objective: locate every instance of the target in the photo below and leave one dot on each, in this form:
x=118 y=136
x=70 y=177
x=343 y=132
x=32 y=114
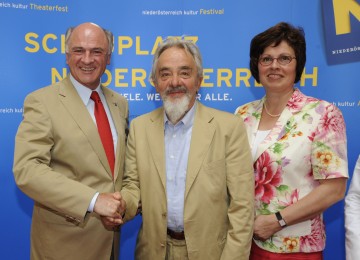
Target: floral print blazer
x=307 y=144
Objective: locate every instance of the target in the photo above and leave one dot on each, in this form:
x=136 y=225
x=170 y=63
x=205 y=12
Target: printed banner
x=33 y=56
x=342 y=30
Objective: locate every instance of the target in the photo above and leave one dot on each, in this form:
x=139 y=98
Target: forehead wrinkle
x=178 y=68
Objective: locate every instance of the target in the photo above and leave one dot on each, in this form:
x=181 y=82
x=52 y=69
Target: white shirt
x=85 y=93
x=260 y=136
x=177 y=147
x=352 y=216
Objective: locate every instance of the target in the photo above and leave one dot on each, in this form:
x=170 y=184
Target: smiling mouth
x=176 y=92
x=87 y=69
x=274 y=76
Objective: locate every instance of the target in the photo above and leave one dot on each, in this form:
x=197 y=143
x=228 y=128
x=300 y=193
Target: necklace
x=267 y=111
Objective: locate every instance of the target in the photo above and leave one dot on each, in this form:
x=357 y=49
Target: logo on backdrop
x=342 y=30
x=35 y=7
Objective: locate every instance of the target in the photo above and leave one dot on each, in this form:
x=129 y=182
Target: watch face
x=282 y=223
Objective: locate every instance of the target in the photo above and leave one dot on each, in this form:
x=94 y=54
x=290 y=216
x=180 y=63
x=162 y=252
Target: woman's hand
x=265 y=226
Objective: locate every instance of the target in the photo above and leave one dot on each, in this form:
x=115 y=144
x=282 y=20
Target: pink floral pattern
x=307 y=144
x=315 y=241
x=267 y=178
x=332 y=122
x=290 y=198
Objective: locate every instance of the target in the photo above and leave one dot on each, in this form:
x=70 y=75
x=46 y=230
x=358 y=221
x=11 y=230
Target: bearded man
x=190 y=168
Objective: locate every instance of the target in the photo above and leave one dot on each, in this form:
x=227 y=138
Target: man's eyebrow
x=97 y=48
x=164 y=68
x=185 y=67
x=179 y=68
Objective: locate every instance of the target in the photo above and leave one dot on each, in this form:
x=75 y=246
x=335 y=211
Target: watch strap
x=280 y=219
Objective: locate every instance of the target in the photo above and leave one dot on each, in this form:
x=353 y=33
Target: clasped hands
x=111 y=208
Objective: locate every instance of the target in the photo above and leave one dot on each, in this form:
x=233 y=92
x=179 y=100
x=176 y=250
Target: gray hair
x=188 y=46
x=109 y=37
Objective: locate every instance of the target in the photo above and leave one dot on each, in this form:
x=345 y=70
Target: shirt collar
x=84 y=92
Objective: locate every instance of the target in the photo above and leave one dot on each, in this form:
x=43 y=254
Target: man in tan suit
x=190 y=166
x=60 y=161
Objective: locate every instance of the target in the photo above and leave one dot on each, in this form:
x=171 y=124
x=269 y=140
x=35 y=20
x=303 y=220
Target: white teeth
x=274 y=76
x=87 y=69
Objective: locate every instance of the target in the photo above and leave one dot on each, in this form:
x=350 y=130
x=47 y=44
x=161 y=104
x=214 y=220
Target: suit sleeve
x=34 y=144
x=131 y=185
x=240 y=184
x=352 y=216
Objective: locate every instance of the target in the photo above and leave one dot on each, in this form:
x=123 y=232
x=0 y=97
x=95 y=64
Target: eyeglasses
x=282 y=60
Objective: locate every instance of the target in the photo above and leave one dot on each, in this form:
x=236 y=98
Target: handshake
x=111 y=208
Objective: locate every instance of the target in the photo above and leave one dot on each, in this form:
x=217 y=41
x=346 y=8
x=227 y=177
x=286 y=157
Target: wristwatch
x=280 y=219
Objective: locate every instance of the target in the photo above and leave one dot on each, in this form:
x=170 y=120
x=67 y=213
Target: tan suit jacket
x=60 y=163
x=219 y=193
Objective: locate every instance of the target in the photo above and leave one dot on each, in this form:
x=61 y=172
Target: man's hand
x=110 y=207
x=108 y=204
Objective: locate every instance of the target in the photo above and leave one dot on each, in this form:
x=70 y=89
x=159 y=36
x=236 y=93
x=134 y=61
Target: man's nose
x=87 y=57
x=175 y=80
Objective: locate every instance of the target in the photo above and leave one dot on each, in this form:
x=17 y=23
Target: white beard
x=177 y=108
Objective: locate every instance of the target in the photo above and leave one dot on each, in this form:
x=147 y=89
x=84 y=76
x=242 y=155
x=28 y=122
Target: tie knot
x=95 y=96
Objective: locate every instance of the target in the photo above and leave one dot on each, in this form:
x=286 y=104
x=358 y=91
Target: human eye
x=285 y=59
x=266 y=59
x=185 y=73
x=97 y=52
x=77 y=51
x=164 y=75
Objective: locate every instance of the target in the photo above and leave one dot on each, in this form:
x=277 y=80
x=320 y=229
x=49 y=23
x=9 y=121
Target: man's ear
x=67 y=57
x=200 y=79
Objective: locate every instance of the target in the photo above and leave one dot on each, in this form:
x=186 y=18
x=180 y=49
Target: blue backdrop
x=32 y=56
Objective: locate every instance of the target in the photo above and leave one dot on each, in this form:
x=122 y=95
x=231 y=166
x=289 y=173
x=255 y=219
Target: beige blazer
x=219 y=195
x=60 y=163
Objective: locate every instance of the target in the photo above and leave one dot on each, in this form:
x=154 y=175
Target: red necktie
x=104 y=129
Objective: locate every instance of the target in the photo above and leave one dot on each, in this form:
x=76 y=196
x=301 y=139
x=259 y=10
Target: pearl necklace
x=267 y=111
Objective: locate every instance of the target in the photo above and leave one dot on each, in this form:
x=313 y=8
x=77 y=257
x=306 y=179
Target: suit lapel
x=201 y=138
x=253 y=120
x=285 y=123
x=155 y=139
x=276 y=133
x=73 y=103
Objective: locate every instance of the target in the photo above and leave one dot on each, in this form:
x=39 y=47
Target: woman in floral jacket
x=299 y=151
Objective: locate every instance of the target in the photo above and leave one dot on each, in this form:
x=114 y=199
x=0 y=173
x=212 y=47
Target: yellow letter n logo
x=342 y=10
